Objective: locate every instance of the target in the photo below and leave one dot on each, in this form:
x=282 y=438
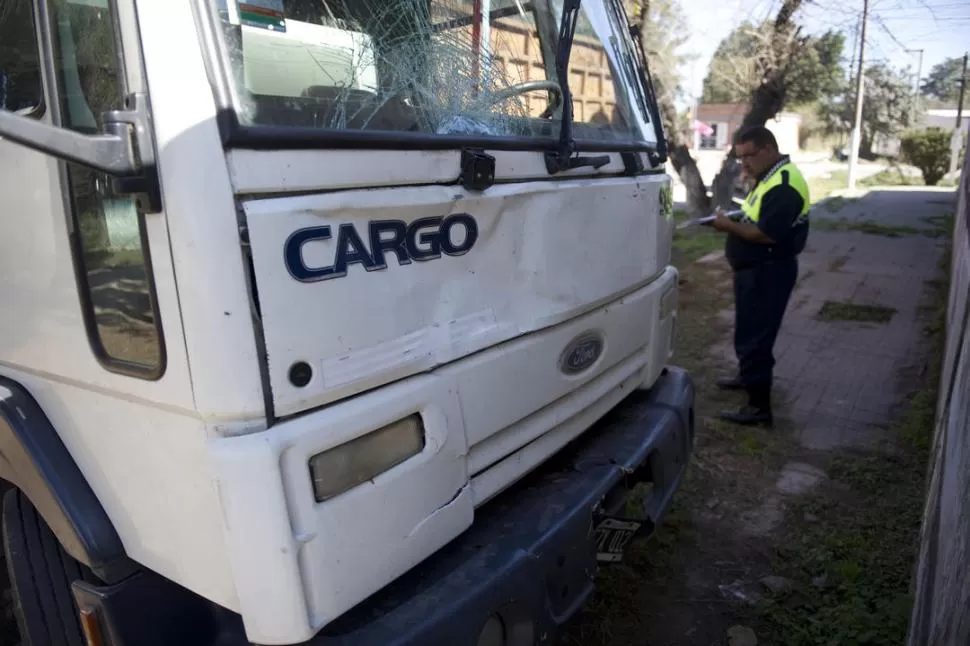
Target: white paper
x=707 y=219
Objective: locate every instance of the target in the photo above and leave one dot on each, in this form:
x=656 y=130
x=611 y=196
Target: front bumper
x=529 y=557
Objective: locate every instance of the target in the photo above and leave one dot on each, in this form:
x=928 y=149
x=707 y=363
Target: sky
x=939 y=27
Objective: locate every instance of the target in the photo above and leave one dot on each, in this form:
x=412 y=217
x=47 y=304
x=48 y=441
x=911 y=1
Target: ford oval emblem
x=581 y=353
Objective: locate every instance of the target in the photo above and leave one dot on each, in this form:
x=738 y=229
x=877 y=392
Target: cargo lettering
x=422 y=240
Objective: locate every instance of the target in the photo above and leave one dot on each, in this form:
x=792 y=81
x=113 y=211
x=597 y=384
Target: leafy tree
x=816 y=71
x=943 y=81
x=929 y=151
x=738 y=66
x=733 y=68
x=886 y=109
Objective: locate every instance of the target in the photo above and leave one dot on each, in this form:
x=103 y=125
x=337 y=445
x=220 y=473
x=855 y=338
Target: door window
x=109 y=232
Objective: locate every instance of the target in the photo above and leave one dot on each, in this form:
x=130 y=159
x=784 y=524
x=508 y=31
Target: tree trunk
x=767 y=99
x=698 y=203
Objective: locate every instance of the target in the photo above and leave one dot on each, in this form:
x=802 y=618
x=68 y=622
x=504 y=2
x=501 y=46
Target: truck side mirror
x=123 y=151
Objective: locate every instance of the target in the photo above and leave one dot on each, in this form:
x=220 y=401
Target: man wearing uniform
x=762 y=249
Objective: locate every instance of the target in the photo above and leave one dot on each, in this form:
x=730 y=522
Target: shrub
x=929 y=151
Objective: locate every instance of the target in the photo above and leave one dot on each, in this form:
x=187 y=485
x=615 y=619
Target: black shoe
x=748 y=416
x=734 y=383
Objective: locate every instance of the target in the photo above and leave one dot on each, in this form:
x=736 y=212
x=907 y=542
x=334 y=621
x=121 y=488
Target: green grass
x=837 y=203
x=835 y=311
x=889 y=231
x=852 y=568
x=752 y=445
x=942 y=225
x=891 y=177
x=821 y=188
x=695 y=242
x=871 y=227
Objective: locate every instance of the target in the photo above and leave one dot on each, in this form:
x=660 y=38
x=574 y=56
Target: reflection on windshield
x=425 y=66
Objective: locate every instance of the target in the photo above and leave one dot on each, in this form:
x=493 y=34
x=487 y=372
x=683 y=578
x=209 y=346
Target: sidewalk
x=841 y=378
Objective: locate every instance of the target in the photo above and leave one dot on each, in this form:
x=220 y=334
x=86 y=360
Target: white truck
x=343 y=322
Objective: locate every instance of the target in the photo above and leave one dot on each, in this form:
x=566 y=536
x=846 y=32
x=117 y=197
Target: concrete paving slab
x=842 y=377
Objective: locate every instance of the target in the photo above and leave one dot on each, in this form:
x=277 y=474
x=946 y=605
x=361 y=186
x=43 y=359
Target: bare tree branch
x=768 y=98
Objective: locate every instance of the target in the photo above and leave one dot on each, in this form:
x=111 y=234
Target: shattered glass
x=438 y=67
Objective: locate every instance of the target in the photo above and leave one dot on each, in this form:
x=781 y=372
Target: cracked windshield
x=437 y=67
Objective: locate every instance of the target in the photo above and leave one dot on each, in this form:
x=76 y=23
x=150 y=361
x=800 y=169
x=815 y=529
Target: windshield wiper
x=646 y=79
x=562 y=158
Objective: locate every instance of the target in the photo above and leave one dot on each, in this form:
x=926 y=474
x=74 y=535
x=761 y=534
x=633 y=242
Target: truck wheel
x=41 y=573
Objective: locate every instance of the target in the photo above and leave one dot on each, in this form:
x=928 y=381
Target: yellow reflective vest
x=784 y=173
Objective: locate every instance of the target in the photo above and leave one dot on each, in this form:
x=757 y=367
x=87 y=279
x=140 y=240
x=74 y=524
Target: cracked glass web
x=445 y=67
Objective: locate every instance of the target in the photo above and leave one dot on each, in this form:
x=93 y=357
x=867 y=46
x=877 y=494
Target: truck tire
x=41 y=573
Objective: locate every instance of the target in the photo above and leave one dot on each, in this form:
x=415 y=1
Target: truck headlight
x=344 y=467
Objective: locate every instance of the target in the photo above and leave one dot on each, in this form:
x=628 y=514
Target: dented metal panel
x=372 y=286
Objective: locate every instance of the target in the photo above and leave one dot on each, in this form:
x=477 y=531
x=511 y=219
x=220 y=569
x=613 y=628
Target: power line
x=922 y=18
x=930 y=34
x=910 y=10
x=879 y=22
x=931 y=8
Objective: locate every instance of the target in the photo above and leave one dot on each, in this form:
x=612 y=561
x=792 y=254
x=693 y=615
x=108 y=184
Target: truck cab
x=342 y=322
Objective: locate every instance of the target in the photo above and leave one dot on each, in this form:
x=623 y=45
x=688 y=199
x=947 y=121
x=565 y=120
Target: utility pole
x=855 y=45
x=958 y=128
x=860 y=90
x=855 y=54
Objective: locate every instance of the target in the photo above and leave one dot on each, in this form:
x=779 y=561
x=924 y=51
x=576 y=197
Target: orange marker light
x=91 y=627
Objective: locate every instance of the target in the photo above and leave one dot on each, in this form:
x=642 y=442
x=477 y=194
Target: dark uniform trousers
x=761 y=295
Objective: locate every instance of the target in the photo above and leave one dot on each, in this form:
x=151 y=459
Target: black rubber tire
x=41 y=573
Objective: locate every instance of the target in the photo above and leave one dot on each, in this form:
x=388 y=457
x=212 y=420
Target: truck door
x=83 y=263
x=90 y=323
